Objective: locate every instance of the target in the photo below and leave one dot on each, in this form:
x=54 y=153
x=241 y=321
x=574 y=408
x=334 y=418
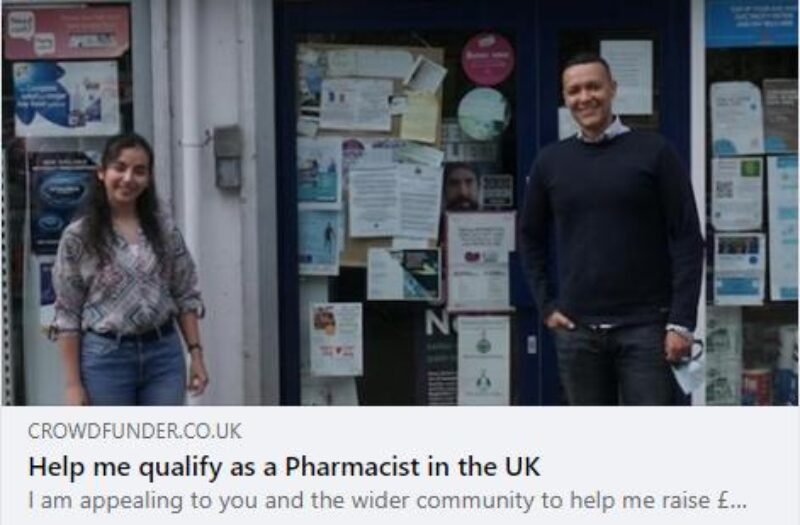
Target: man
x=628 y=246
x=460 y=187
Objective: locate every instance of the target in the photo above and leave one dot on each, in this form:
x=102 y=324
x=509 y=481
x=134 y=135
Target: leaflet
x=310 y=72
x=484 y=352
x=374 y=63
x=318 y=242
x=739 y=265
x=737 y=126
x=780 y=115
x=403 y=275
x=632 y=64
x=724 y=356
x=362 y=104
x=497 y=191
x=420 y=154
x=370 y=151
x=401 y=200
x=420 y=190
x=319 y=172
x=477 y=256
x=425 y=75
x=782 y=203
x=336 y=339
x=374 y=206
x=737 y=195
x=420 y=120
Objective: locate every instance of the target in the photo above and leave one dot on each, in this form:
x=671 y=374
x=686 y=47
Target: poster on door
x=66 y=99
x=60 y=184
x=336 y=339
x=52 y=33
x=484 y=360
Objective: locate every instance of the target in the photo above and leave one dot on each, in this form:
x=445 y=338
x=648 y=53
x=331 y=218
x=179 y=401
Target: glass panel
x=631 y=55
x=57 y=114
x=752 y=226
x=374 y=111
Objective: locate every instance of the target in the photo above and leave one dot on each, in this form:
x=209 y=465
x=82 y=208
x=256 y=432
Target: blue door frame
x=536 y=27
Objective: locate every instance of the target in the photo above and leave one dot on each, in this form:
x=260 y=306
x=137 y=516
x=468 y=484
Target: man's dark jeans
x=622 y=365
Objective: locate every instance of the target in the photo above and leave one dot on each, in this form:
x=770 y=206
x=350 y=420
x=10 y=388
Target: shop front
x=405 y=137
x=357 y=243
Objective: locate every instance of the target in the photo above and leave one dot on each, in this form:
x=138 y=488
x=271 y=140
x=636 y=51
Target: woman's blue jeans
x=622 y=365
x=133 y=373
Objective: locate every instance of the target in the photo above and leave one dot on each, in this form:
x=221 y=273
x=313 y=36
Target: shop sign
x=751 y=23
x=93 y=32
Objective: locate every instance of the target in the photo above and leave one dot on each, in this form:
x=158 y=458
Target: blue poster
x=318 y=241
x=319 y=172
x=751 y=23
x=66 y=99
x=47 y=294
x=60 y=184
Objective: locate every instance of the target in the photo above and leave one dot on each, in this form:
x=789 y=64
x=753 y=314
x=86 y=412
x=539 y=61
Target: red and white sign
x=90 y=32
x=487 y=59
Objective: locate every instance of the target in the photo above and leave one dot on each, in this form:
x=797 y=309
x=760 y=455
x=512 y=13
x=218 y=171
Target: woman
x=122 y=277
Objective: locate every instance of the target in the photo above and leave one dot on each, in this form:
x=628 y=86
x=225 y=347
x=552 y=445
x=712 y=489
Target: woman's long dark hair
x=97 y=215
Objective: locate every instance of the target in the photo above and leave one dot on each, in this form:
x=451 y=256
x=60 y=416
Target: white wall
x=698 y=162
x=233 y=274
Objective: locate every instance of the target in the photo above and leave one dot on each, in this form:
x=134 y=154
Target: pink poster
x=89 y=32
x=487 y=59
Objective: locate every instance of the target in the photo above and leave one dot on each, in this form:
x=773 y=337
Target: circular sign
x=487 y=59
x=483 y=113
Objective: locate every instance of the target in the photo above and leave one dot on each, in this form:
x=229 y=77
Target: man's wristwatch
x=194 y=346
x=681 y=331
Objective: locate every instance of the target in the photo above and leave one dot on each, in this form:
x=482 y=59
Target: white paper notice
x=336 y=339
x=420 y=119
x=365 y=152
x=307 y=126
x=631 y=63
x=737 y=195
x=384 y=275
x=484 y=370
x=425 y=75
x=477 y=253
x=420 y=190
x=739 y=265
x=374 y=201
x=403 y=275
x=782 y=199
x=567 y=127
x=420 y=154
x=342 y=62
x=373 y=63
x=737 y=122
x=328 y=391
x=723 y=355
x=356 y=104
x=384 y=63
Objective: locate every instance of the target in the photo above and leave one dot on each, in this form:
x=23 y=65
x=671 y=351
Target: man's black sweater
x=627 y=236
